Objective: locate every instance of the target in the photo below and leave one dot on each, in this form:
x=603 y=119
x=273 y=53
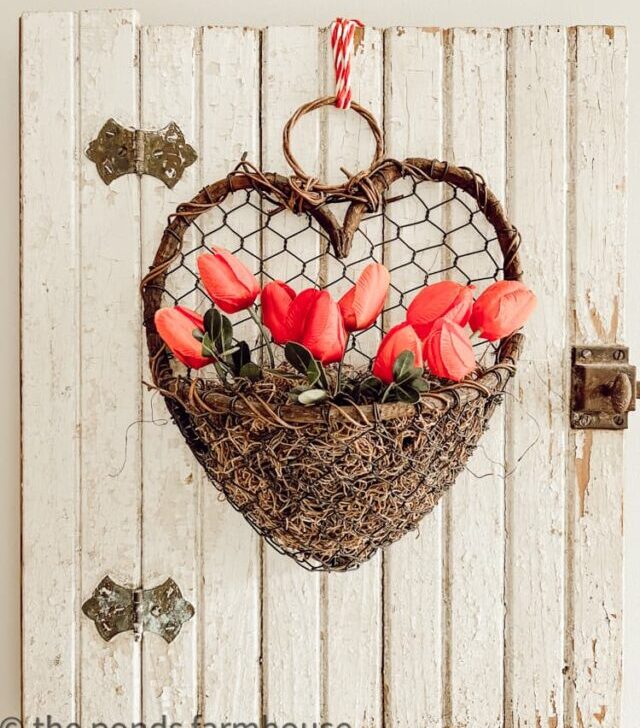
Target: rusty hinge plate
x=603 y=387
x=114 y=609
x=118 y=150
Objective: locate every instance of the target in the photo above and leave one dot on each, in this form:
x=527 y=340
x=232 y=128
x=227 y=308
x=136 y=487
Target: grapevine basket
x=330 y=485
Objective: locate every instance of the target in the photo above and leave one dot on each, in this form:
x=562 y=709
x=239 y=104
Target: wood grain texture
x=507 y=609
x=50 y=364
x=475 y=137
x=597 y=236
x=352 y=627
x=412 y=567
x=291 y=659
x=170 y=474
x=349 y=145
x=535 y=528
x=230 y=611
x=110 y=355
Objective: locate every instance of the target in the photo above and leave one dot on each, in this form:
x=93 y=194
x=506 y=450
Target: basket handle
x=308 y=182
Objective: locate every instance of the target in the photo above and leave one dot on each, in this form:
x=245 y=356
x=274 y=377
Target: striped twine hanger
x=342 y=32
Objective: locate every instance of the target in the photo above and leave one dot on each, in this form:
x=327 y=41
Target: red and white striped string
x=342 y=32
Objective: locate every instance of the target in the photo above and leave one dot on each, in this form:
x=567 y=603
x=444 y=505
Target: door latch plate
x=603 y=387
x=115 y=609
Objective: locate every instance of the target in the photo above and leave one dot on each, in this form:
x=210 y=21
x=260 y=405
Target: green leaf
x=407 y=394
x=241 y=356
x=298 y=356
x=316 y=374
x=251 y=371
x=403 y=366
x=226 y=335
x=371 y=385
x=213 y=323
x=312 y=396
x=228 y=352
x=197 y=334
x=219 y=329
x=420 y=384
x=208 y=349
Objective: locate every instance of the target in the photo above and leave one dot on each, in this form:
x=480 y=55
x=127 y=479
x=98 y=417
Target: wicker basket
x=329 y=485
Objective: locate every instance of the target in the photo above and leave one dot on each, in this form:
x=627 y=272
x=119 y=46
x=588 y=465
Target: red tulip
x=175 y=326
x=275 y=301
x=502 y=309
x=448 y=351
x=446 y=298
x=228 y=281
x=363 y=302
x=397 y=340
x=314 y=321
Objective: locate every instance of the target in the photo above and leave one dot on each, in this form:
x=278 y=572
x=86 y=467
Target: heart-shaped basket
x=329 y=485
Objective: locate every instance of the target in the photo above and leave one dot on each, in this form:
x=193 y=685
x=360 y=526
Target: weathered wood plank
x=50 y=364
x=597 y=238
x=535 y=529
x=311 y=624
x=475 y=136
x=291 y=596
x=413 y=566
x=230 y=608
x=169 y=471
x=352 y=626
x=110 y=352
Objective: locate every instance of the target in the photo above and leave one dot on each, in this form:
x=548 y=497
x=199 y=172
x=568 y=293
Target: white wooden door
x=506 y=611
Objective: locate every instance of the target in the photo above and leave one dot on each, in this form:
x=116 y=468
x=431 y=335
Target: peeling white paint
x=455 y=610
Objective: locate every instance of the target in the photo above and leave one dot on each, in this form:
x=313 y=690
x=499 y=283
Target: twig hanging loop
x=310 y=183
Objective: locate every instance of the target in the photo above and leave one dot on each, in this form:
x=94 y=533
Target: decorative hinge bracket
x=114 y=609
x=118 y=150
x=603 y=387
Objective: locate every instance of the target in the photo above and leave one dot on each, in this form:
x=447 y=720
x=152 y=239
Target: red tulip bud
x=397 y=340
x=448 y=351
x=314 y=321
x=363 y=302
x=502 y=309
x=275 y=301
x=446 y=298
x=229 y=283
x=175 y=327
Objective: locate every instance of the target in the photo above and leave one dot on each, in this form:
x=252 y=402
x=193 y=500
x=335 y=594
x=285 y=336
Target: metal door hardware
x=603 y=387
x=118 y=150
x=114 y=609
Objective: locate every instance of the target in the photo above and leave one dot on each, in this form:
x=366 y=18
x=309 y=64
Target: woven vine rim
x=364 y=192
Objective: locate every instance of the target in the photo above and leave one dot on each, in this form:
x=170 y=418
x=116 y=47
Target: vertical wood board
x=507 y=609
x=170 y=474
x=537 y=411
x=110 y=356
x=50 y=364
x=597 y=236
x=413 y=566
x=352 y=626
x=291 y=649
x=230 y=612
x=474 y=583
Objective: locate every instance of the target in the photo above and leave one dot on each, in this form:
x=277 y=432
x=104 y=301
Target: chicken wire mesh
x=423 y=232
x=352 y=506
x=333 y=491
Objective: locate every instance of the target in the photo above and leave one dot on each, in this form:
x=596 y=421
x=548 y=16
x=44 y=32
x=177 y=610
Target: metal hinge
x=118 y=150
x=114 y=609
x=603 y=387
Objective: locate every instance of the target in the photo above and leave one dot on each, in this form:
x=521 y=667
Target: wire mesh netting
x=333 y=507
x=424 y=232
x=331 y=490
